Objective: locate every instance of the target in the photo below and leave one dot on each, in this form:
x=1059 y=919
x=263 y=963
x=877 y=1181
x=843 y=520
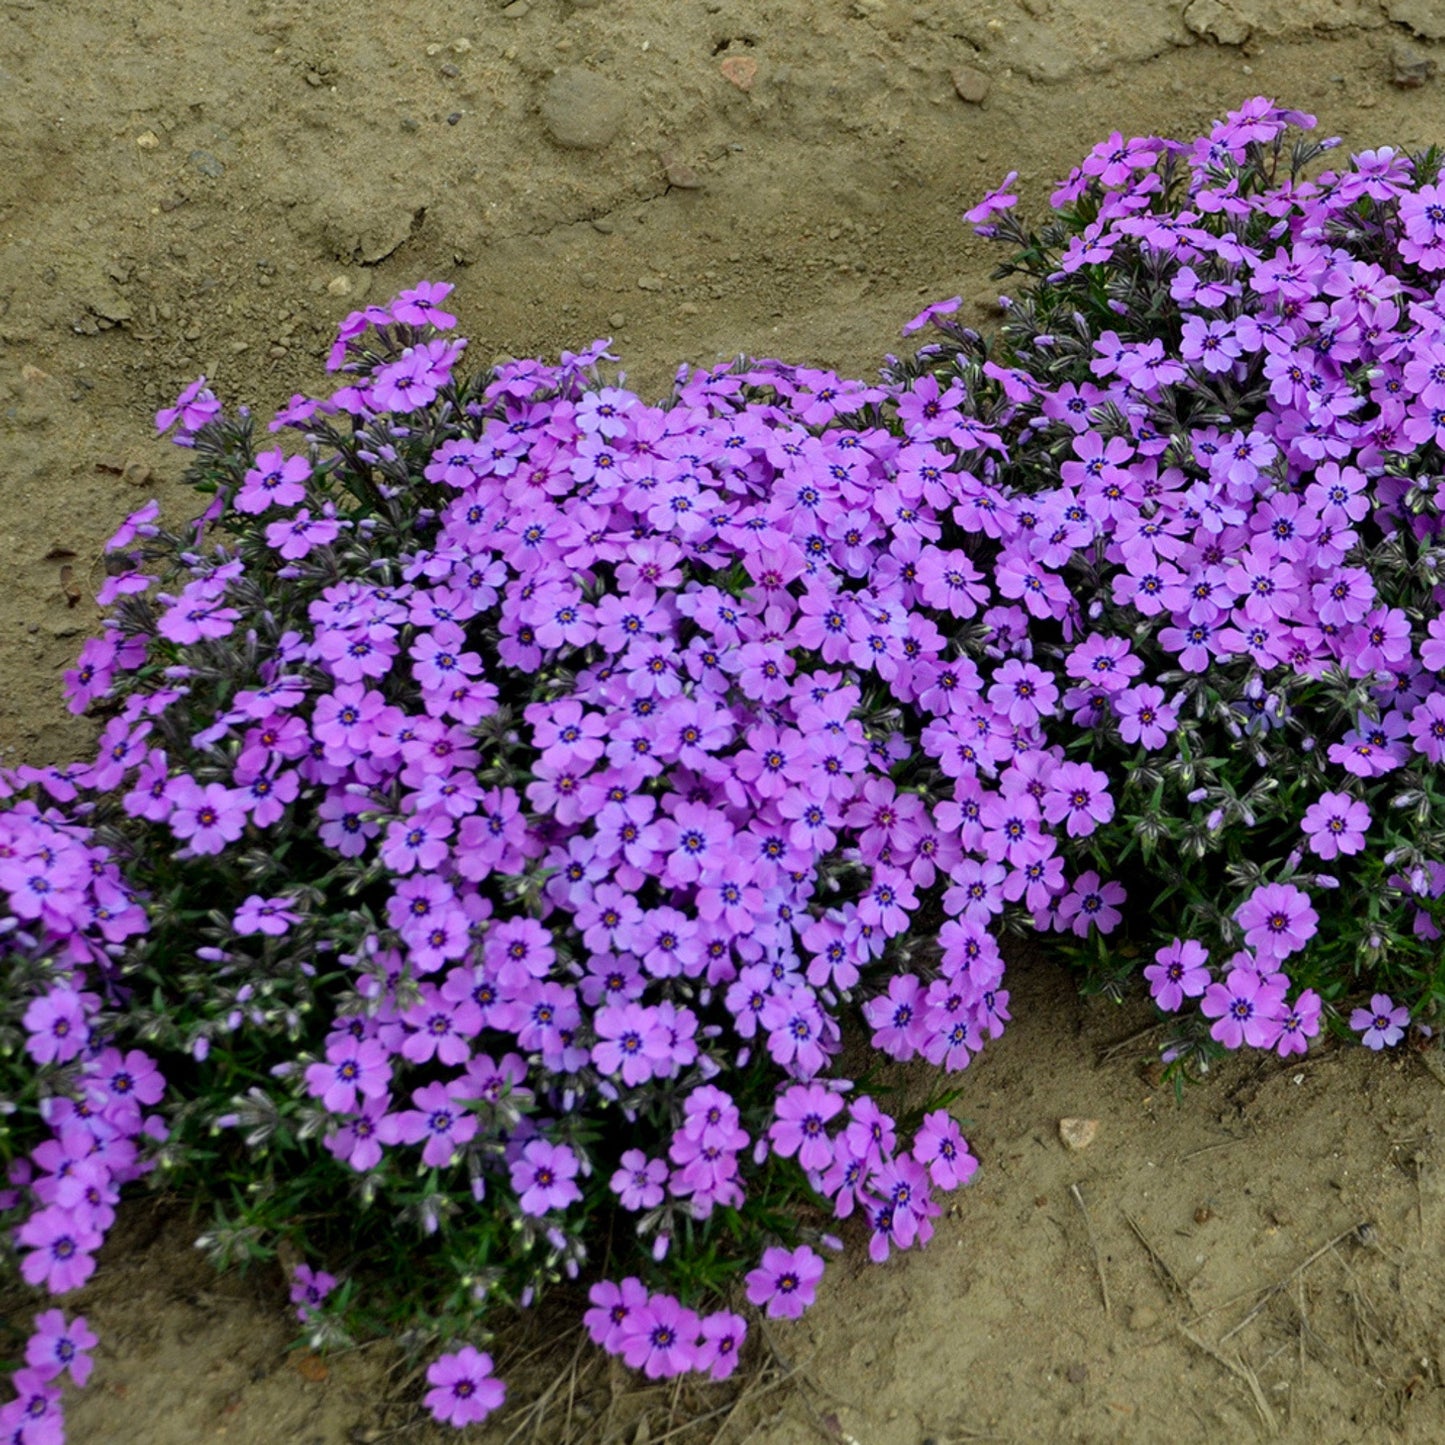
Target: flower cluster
x=1220 y=425
x=510 y=791
x=75 y=1107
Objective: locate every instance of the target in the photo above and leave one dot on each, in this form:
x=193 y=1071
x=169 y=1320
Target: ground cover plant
x=509 y=792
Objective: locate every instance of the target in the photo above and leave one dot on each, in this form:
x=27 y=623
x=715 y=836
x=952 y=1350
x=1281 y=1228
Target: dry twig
x=1161 y=1265
x=1270 y=1291
x=1094 y=1246
x=1240 y=1371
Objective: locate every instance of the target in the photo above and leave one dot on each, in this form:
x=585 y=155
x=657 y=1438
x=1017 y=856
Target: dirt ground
x=190 y=187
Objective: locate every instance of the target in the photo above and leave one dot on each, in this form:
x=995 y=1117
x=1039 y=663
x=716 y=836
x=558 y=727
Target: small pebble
x=1141 y=1317
x=740 y=70
x=680 y=175
x=1078 y=1134
x=971 y=84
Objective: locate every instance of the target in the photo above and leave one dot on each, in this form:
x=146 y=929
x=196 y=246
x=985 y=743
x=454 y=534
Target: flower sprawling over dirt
x=509 y=791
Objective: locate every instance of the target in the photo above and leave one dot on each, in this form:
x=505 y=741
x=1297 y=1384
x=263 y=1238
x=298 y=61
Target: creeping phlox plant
x=509 y=790
x=1220 y=429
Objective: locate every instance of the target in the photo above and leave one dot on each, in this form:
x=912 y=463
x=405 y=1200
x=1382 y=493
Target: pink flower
x=940 y=1145
x=660 y=1338
x=309 y=1288
x=613 y=1305
x=1301 y=1022
x=1336 y=824
x=1091 y=902
x=544 y=1177
x=271 y=916
x=720 y=1348
x=1177 y=973
x=56 y=1347
x=1277 y=920
x=465 y=1391
x=1249 y=1009
x=800 y=1124
x=1383 y=1023
x=275 y=480
x=639 y=1183
x=786 y=1281
x=206 y=818
x=62 y=1249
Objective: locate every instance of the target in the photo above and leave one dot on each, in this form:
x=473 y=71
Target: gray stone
x=1410 y=67
x=971 y=84
x=582 y=110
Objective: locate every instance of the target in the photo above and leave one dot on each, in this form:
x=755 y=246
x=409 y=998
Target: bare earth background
x=188 y=187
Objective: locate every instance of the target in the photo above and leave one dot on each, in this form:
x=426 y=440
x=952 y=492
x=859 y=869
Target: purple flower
x=421 y=305
x=1248 y=1009
x=1091 y=903
x=275 y=480
x=1427 y=727
x=720 y=1347
x=57 y=1346
x=57 y=1026
x=464 y=1388
x=1277 y=920
x=795 y=1027
x=545 y=1177
x=309 y=1288
x=265 y=915
x=438 y=1118
x=939 y=1145
x=660 y=1338
x=1144 y=717
x=786 y=1281
x=800 y=1124
x=194 y=407
x=1177 y=973
x=632 y=1041
x=640 y=1181
x=359 y=1142
x=1382 y=1025
x=896 y=1018
x=1023 y=692
x=34 y=1417
x=205 y=818
x=613 y=1305
x=995 y=201
x=1078 y=796
x=62 y=1250
x=1336 y=824
x=1301 y=1022
x=353 y=1066
x=932 y=311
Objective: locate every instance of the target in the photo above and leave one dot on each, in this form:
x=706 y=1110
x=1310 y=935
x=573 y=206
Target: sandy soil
x=189 y=187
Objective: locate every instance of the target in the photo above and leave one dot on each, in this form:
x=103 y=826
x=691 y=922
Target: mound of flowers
x=511 y=795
